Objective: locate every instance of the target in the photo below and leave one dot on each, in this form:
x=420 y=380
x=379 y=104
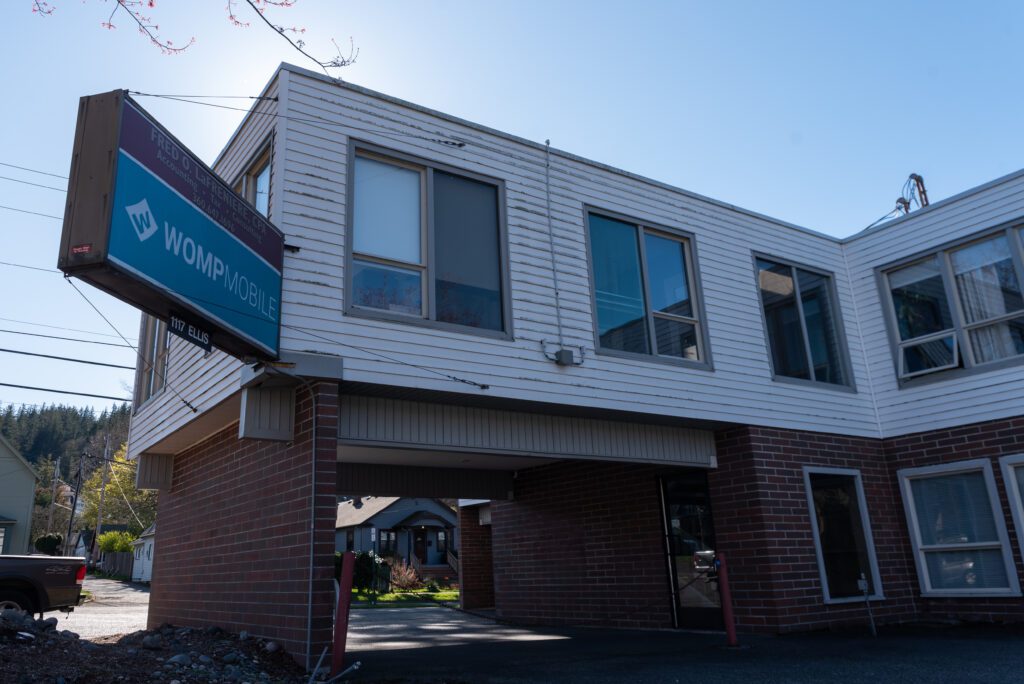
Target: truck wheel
x=14 y=600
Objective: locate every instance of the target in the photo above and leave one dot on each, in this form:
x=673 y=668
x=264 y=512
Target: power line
x=69 y=339
x=58 y=391
x=34 y=213
x=209 y=97
x=25 y=168
x=58 y=327
x=38 y=185
x=317 y=120
x=150 y=366
x=66 y=358
x=31 y=268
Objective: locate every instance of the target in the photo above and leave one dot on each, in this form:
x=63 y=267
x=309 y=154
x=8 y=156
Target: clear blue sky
x=807 y=111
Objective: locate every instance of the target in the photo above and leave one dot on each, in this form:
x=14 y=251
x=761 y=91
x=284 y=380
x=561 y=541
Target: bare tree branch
x=137 y=11
x=336 y=63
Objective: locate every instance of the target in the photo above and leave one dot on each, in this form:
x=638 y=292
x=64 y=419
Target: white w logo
x=142 y=219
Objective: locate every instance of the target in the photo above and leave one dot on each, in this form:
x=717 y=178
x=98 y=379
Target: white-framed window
x=841 y=528
x=1013 y=480
x=3 y=536
x=957 y=530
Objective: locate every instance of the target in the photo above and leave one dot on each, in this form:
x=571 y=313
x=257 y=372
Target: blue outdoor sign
x=184 y=241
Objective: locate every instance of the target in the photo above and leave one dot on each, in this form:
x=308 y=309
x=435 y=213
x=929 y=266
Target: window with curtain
x=957 y=530
x=800 y=318
x=961 y=307
x=644 y=290
x=426 y=244
x=842 y=533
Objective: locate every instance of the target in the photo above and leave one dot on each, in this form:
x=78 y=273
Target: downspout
x=312 y=534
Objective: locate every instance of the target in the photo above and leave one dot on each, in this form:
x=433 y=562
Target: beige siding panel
x=399 y=423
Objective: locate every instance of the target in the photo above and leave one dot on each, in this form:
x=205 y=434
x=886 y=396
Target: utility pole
x=103 y=494
x=53 y=493
x=74 y=502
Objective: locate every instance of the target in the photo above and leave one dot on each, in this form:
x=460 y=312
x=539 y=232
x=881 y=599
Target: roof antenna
x=922 y=194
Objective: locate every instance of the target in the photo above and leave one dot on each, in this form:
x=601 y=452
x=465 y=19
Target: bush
x=49 y=543
x=432 y=587
x=115 y=542
x=404 y=577
x=371 y=572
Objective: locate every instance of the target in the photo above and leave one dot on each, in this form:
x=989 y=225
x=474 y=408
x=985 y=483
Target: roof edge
x=302 y=71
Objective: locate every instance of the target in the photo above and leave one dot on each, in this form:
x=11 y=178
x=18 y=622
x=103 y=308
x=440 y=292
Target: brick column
x=233 y=536
x=476 y=569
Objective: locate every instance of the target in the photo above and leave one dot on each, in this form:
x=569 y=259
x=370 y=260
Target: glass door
x=690 y=544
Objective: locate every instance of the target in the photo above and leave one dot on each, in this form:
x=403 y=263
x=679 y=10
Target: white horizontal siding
x=951 y=400
x=740 y=389
x=308 y=203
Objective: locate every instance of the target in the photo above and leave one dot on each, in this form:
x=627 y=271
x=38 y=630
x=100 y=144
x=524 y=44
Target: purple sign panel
x=172 y=163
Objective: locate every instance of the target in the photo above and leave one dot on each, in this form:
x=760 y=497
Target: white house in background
x=142 y=559
x=17 y=497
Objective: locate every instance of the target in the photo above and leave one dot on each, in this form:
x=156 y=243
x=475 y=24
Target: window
x=442 y=542
x=961 y=307
x=426 y=245
x=957 y=530
x=842 y=534
x=801 y=320
x=1013 y=480
x=388 y=543
x=3 y=536
x=152 y=366
x=350 y=540
x=644 y=290
x=254 y=185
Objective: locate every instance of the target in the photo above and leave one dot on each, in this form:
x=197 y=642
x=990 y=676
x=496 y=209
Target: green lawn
x=406 y=597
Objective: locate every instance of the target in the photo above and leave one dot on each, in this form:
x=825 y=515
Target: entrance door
x=419 y=544
x=690 y=542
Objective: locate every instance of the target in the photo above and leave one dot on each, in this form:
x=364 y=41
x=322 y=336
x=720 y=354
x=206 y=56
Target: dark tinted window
x=467 y=260
x=839 y=521
x=618 y=286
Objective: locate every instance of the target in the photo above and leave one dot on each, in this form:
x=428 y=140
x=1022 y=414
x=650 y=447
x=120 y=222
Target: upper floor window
x=961 y=307
x=801 y=320
x=254 y=185
x=426 y=244
x=644 y=290
x=152 y=362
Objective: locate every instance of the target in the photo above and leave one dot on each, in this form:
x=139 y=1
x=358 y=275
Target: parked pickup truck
x=39 y=584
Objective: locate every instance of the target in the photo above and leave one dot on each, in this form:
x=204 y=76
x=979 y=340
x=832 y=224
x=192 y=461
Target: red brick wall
x=233 y=533
x=476 y=570
x=581 y=544
x=763 y=523
x=990 y=440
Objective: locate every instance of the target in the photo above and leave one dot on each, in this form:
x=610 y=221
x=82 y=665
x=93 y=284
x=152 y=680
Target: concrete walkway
x=433 y=645
x=116 y=608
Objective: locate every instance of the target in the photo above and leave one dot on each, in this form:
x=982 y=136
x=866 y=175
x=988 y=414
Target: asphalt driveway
x=116 y=608
x=439 y=645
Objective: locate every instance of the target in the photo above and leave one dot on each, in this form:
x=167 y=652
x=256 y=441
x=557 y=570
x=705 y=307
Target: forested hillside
x=63 y=431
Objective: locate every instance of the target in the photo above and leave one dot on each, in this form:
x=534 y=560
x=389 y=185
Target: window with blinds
x=957 y=530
